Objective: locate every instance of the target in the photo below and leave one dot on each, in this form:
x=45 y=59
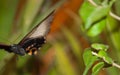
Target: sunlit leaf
x=98 y=46
x=105 y=56
x=98 y=14
x=96 y=29
x=89 y=59
x=86 y=7
x=97 y=67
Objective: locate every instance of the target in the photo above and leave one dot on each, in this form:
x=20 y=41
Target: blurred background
x=75 y=27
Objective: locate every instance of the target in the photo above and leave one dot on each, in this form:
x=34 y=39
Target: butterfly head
x=17 y=49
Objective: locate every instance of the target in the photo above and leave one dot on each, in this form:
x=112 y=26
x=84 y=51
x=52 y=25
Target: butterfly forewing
x=36 y=37
x=41 y=29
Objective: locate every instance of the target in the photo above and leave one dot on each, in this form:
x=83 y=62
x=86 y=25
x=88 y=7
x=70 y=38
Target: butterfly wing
x=41 y=29
x=36 y=37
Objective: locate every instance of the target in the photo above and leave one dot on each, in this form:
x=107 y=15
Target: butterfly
x=32 y=42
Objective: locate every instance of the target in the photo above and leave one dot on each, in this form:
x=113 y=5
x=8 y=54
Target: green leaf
x=86 y=7
x=97 y=68
x=98 y=14
x=89 y=59
x=98 y=46
x=105 y=57
x=96 y=29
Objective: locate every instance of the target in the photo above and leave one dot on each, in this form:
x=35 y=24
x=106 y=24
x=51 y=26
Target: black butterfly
x=31 y=43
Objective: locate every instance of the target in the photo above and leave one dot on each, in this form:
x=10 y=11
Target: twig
x=113 y=63
x=115 y=16
x=92 y=2
x=116 y=65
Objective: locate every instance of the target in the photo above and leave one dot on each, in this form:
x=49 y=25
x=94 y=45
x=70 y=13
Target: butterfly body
x=17 y=49
x=30 y=46
x=32 y=42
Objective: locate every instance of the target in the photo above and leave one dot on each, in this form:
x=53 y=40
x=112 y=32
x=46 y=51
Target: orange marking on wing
x=30 y=52
x=35 y=52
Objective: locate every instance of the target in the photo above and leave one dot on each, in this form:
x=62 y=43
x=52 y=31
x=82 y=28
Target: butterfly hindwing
x=31 y=45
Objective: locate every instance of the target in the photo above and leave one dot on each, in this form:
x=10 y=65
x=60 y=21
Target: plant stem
x=116 y=65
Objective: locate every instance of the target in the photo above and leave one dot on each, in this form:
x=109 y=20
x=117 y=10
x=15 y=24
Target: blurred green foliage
x=98 y=26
